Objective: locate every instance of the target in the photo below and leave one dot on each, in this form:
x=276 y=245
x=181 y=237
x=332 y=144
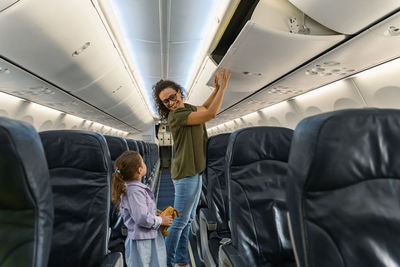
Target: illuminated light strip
x=360 y=75
x=47 y=109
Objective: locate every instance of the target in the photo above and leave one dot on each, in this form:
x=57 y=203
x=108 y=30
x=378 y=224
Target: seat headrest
x=64 y=146
x=343 y=196
x=216 y=146
x=132 y=144
x=25 y=196
x=252 y=144
x=141 y=147
x=346 y=147
x=117 y=146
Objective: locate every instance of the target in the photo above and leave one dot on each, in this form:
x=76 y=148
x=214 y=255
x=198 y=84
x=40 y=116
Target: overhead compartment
x=15 y=81
x=201 y=91
x=4 y=4
x=344 y=16
x=67 y=44
x=373 y=47
x=272 y=43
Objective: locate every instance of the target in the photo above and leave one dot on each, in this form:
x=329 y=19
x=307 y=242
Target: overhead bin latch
x=295 y=27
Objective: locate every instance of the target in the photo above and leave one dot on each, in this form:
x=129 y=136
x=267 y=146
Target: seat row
x=55 y=197
x=323 y=195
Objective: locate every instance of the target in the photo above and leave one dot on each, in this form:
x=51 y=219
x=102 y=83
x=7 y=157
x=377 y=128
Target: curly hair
x=127 y=164
x=163 y=111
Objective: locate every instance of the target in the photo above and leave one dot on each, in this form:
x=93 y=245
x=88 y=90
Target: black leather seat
x=80 y=172
x=256 y=172
x=26 y=202
x=344 y=200
x=213 y=217
x=132 y=145
x=117 y=146
x=142 y=152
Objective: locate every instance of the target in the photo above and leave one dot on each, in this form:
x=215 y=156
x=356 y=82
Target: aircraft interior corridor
x=243 y=132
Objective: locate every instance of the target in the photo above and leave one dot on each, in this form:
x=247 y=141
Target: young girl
x=144 y=245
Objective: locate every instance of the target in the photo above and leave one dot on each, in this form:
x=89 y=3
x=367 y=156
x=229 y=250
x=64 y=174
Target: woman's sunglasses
x=170 y=98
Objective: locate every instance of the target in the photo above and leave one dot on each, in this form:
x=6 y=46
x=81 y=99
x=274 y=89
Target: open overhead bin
x=374 y=46
x=277 y=39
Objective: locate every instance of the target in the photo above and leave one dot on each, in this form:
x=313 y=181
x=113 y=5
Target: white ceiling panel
x=188 y=17
x=164 y=38
x=138 y=19
x=148 y=57
x=181 y=59
x=19 y=83
x=69 y=47
x=346 y=16
x=49 y=53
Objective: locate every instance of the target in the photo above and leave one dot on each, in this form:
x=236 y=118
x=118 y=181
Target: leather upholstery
x=141 y=147
x=132 y=145
x=344 y=201
x=216 y=193
x=26 y=202
x=80 y=169
x=256 y=161
x=116 y=145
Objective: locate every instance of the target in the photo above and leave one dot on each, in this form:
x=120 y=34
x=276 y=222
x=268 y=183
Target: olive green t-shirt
x=190 y=143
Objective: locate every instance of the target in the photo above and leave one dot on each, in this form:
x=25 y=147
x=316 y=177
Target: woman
x=187 y=125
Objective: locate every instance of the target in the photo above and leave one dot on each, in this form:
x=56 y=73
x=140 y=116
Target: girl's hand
x=166 y=219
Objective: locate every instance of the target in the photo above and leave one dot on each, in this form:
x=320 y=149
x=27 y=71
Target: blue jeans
x=187 y=194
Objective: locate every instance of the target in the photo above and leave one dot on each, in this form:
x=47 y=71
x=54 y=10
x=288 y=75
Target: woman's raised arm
x=209 y=110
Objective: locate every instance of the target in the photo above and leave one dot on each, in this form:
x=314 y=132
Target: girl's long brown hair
x=125 y=167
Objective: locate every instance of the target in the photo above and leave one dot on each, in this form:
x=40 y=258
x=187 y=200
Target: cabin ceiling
x=163 y=39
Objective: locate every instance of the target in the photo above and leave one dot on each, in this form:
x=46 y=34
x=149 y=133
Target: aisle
x=164 y=193
x=165 y=189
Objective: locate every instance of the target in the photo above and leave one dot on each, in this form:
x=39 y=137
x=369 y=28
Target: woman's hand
x=166 y=219
x=216 y=82
x=221 y=79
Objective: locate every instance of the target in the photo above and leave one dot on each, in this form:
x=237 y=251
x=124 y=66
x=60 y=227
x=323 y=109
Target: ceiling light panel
x=163 y=37
x=189 y=23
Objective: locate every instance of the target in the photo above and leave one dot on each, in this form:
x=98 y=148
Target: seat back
x=256 y=161
x=215 y=183
x=132 y=145
x=26 y=202
x=344 y=200
x=116 y=145
x=80 y=169
x=141 y=148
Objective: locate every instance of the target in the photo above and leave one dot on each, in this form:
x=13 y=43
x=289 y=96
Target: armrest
x=228 y=256
x=113 y=259
x=207 y=218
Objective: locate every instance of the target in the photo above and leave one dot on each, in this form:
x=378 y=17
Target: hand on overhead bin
x=221 y=79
